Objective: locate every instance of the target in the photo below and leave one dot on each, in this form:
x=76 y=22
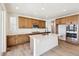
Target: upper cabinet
x=68 y=20
x=41 y=24
x=29 y=22
x=61 y=21
x=21 y=22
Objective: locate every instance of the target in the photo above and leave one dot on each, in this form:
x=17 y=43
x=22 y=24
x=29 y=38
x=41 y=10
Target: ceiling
x=42 y=10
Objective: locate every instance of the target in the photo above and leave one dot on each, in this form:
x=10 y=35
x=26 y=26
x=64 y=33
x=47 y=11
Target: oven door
x=71 y=37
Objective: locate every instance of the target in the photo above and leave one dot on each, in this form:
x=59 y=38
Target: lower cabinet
x=17 y=39
x=11 y=40
x=22 y=39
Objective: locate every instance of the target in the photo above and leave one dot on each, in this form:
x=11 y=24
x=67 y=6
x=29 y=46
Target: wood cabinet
x=22 y=39
x=72 y=19
x=68 y=20
x=22 y=22
x=75 y=19
x=63 y=21
x=42 y=24
x=11 y=40
x=17 y=39
x=34 y=21
x=28 y=22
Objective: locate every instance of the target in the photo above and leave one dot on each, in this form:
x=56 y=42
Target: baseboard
x=62 y=40
x=2 y=54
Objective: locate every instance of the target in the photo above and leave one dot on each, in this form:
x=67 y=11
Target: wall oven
x=71 y=27
x=72 y=34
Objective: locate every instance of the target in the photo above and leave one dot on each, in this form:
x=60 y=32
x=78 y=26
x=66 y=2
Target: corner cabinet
x=25 y=22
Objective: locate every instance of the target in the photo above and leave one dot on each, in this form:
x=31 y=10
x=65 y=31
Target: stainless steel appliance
x=72 y=27
x=72 y=33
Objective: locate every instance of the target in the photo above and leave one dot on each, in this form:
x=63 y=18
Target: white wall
x=2 y=29
x=12 y=26
x=49 y=24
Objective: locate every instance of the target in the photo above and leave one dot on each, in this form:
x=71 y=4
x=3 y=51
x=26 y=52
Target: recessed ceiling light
x=17 y=7
x=65 y=10
x=42 y=8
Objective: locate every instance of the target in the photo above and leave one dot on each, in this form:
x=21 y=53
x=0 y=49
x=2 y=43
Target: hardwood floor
x=19 y=50
x=64 y=49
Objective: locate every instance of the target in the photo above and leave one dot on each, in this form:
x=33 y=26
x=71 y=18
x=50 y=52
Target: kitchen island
x=41 y=43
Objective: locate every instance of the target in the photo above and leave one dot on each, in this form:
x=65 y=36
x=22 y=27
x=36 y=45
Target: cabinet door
x=22 y=22
x=63 y=21
x=22 y=39
x=34 y=21
x=43 y=24
x=17 y=39
x=67 y=20
x=75 y=19
x=11 y=40
x=40 y=24
x=28 y=23
x=72 y=19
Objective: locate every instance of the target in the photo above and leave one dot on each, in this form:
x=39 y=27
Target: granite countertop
x=33 y=33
